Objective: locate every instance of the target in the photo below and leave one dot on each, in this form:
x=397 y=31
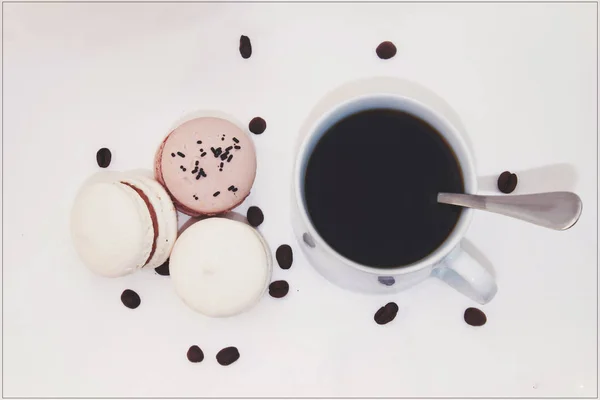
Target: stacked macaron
x=123 y=222
x=220 y=267
x=207 y=165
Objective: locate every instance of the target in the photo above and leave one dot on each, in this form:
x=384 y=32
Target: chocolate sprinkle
x=163 y=269
x=103 y=157
x=230 y=158
x=130 y=299
x=284 y=256
x=201 y=173
x=255 y=216
x=386 y=50
x=279 y=289
x=216 y=152
x=245 y=47
x=199 y=142
x=236 y=140
x=257 y=125
x=386 y=313
x=228 y=356
x=172 y=154
x=237 y=147
x=215 y=194
x=475 y=317
x=203 y=154
x=507 y=182
x=180 y=154
x=195 y=354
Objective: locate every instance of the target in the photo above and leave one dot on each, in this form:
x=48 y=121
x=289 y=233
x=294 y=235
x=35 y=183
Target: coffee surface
x=371 y=188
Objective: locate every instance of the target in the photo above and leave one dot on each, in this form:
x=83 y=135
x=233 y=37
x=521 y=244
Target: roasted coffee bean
x=284 y=256
x=279 y=289
x=386 y=313
x=195 y=354
x=255 y=216
x=386 y=50
x=507 y=182
x=130 y=298
x=257 y=125
x=228 y=355
x=103 y=157
x=245 y=46
x=475 y=317
x=163 y=269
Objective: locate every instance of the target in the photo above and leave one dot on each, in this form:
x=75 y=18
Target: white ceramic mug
x=448 y=262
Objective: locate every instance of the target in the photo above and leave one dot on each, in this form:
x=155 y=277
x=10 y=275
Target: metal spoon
x=554 y=210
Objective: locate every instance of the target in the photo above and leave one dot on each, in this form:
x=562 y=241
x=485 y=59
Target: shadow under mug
x=448 y=262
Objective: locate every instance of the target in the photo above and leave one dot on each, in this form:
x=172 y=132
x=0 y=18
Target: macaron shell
x=159 y=177
x=220 y=267
x=165 y=214
x=265 y=245
x=188 y=148
x=109 y=228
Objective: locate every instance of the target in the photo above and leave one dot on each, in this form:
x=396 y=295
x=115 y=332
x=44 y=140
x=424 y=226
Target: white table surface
x=78 y=77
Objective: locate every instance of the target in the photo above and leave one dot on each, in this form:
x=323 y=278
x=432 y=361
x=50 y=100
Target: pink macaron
x=207 y=166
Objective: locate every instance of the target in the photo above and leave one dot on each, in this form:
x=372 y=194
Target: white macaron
x=220 y=267
x=122 y=222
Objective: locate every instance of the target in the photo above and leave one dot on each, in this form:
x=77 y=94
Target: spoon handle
x=555 y=210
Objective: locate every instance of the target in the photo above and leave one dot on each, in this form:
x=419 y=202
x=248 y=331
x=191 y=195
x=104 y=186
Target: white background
x=78 y=77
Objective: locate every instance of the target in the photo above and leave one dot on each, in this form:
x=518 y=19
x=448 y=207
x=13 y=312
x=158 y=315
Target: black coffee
x=371 y=187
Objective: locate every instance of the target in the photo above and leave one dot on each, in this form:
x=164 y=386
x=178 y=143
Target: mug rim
x=467 y=168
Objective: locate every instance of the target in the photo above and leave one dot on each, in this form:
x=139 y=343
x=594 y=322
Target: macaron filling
x=153 y=217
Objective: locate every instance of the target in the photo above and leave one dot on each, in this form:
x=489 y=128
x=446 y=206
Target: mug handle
x=466 y=275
